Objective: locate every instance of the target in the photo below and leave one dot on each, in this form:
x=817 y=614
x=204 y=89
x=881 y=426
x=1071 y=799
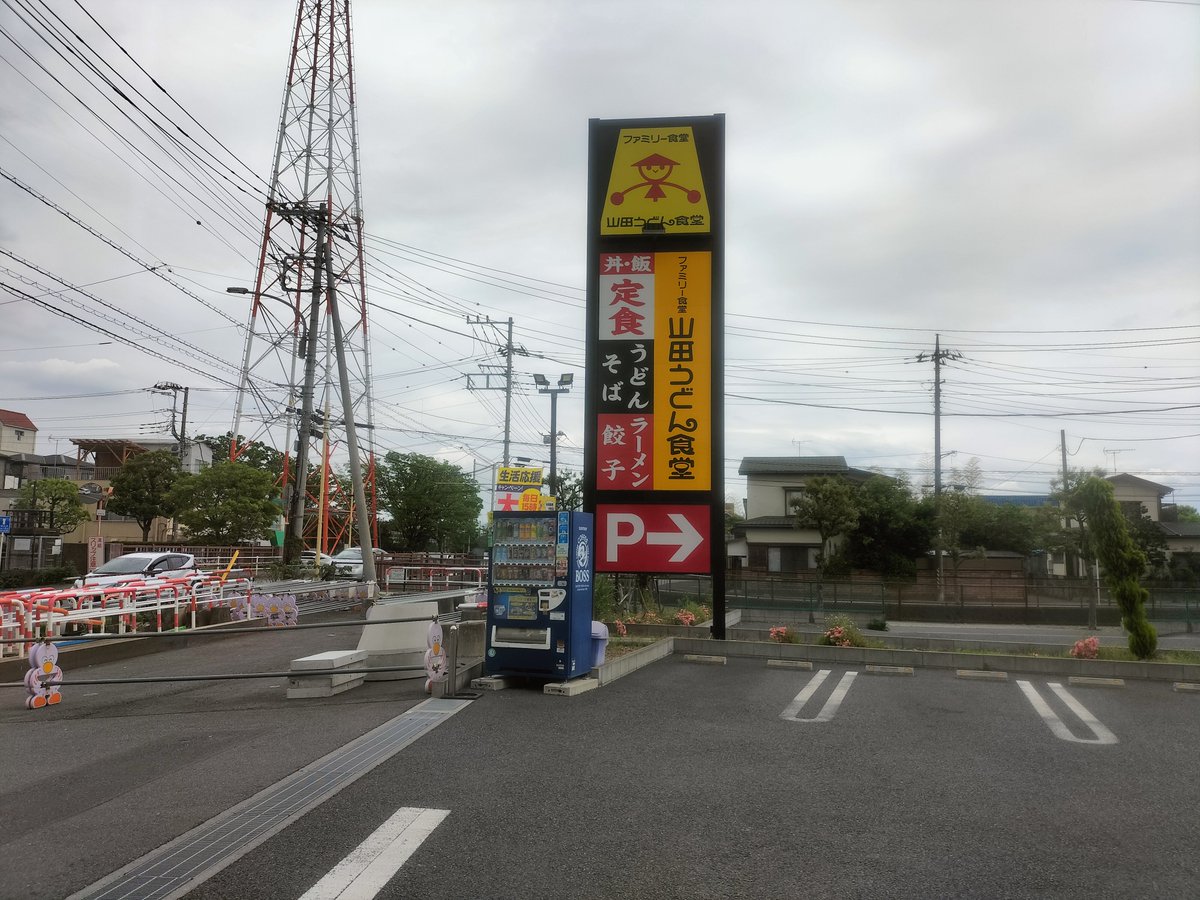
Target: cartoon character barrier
x=43 y=677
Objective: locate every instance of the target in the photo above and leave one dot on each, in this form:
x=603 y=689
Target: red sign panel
x=657 y=538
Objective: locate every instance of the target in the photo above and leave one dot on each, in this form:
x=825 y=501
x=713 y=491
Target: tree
x=142 y=488
x=1123 y=562
x=961 y=517
x=894 y=528
x=59 y=499
x=732 y=516
x=570 y=490
x=253 y=453
x=227 y=503
x=1017 y=529
x=827 y=506
x=1148 y=538
x=1185 y=513
x=432 y=504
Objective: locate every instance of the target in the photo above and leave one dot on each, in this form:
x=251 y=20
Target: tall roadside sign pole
x=654 y=420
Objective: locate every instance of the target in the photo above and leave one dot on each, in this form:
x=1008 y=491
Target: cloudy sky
x=1020 y=178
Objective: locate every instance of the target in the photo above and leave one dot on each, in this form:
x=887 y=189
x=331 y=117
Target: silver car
x=140 y=567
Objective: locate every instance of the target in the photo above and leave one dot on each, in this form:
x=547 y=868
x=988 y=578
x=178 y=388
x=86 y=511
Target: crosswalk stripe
x=371 y=865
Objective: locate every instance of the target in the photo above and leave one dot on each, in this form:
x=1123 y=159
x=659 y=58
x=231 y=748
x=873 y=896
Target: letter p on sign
x=616 y=540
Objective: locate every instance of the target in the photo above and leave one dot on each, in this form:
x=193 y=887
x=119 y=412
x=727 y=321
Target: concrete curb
x=862 y=656
x=631 y=662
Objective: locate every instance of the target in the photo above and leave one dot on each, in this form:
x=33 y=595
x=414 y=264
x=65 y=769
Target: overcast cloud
x=1021 y=177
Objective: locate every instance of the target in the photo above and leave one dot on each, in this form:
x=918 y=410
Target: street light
x=544 y=387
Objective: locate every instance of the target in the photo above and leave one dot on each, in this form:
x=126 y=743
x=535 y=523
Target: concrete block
x=571 y=688
x=631 y=662
x=707 y=660
x=490 y=683
x=398 y=643
x=330 y=659
x=1088 y=681
x=889 y=670
x=1185 y=687
x=981 y=675
x=414 y=658
x=789 y=664
x=299 y=691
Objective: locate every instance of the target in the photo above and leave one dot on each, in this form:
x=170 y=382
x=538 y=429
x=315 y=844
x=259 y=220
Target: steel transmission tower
x=307 y=331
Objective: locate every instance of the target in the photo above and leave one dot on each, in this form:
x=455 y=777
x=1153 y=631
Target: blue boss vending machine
x=539 y=617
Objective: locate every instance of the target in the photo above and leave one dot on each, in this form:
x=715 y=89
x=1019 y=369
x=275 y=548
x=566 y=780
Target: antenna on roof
x=1114 y=453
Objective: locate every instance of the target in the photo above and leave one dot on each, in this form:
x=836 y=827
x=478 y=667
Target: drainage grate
x=177 y=867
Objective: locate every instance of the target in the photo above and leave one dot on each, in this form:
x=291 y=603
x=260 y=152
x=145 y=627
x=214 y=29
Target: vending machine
x=539 y=617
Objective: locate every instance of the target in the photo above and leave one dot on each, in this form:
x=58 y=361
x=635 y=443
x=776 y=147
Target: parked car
x=309 y=558
x=348 y=563
x=139 y=567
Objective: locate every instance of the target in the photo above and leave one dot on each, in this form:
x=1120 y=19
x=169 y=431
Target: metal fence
x=975 y=599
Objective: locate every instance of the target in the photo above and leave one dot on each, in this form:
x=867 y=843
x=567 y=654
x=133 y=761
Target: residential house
x=1142 y=497
x=768 y=541
x=17 y=433
x=33 y=545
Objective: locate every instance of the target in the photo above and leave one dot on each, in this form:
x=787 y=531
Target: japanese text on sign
x=519 y=477
x=654 y=407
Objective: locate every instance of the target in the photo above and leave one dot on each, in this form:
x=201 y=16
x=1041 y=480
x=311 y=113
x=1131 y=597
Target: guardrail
x=121 y=609
x=434 y=578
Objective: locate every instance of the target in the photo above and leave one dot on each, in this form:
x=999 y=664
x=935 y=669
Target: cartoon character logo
x=654 y=170
x=582 y=550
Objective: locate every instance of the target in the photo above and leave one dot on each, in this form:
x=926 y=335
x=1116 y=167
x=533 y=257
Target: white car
x=140 y=567
x=348 y=563
x=309 y=558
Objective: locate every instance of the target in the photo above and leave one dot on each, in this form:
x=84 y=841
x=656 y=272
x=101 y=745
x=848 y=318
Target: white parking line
x=1102 y=734
x=371 y=865
x=829 y=710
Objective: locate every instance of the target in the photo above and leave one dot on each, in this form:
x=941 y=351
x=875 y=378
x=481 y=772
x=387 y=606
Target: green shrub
x=55 y=576
x=879 y=624
x=604 y=596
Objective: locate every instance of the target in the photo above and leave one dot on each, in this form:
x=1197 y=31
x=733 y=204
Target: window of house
x=19 y=433
x=790 y=496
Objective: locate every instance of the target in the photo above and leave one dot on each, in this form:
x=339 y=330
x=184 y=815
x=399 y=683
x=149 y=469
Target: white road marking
x=1055 y=724
x=829 y=710
x=371 y=865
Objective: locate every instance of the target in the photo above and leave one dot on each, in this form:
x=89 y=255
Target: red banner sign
x=658 y=538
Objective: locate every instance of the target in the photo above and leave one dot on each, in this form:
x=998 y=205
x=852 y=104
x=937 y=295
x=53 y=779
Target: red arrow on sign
x=652 y=538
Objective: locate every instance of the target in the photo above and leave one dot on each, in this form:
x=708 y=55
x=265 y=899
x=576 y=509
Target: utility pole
x=307 y=393
x=938 y=356
x=180 y=433
x=487 y=378
x=356 y=476
x=1068 y=557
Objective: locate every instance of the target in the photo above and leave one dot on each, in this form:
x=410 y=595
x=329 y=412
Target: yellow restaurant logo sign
x=655 y=185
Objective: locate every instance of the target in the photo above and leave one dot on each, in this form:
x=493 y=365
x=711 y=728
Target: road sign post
x=654 y=409
x=5 y=530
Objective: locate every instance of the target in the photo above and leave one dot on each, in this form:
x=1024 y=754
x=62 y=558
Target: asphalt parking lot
x=679 y=780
